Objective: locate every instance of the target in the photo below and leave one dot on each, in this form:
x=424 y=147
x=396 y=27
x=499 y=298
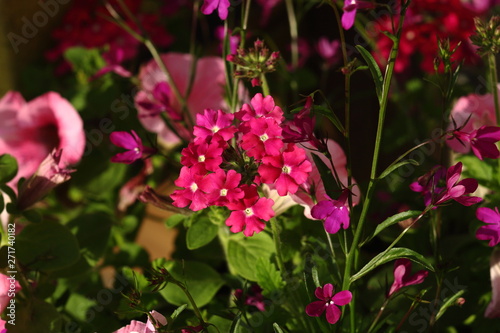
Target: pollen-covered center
x=215 y=129
x=193 y=187
x=201 y=158
x=286 y=169
x=263 y=137
x=223 y=192
x=248 y=212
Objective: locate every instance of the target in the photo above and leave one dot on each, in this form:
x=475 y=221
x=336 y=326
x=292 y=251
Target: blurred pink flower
x=267 y=7
x=207 y=91
x=7 y=286
x=31 y=130
x=329 y=50
x=493 y=309
x=148 y=327
x=403 y=277
x=209 y=6
x=133 y=143
x=490 y=231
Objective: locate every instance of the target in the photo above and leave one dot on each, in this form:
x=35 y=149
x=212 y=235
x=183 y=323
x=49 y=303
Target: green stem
x=191 y=301
x=378 y=139
x=264 y=85
x=494 y=81
x=277 y=245
x=294 y=33
x=379 y=314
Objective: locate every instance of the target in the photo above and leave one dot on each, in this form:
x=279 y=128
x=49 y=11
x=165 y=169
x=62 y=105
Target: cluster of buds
x=254 y=62
x=488 y=36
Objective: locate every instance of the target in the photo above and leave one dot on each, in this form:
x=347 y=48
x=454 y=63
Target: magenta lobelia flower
x=493 y=309
x=286 y=171
x=329 y=303
x=481 y=141
x=221 y=5
x=403 y=277
x=133 y=143
x=334 y=212
x=148 y=327
x=491 y=231
x=249 y=213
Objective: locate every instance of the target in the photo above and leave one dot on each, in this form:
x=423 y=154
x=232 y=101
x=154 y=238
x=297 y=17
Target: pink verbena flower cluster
x=232 y=155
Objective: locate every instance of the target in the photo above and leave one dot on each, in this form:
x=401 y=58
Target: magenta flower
x=212 y=123
x=334 y=212
x=490 y=231
x=329 y=302
x=286 y=171
x=222 y=188
x=329 y=50
x=481 y=141
x=402 y=277
x=133 y=143
x=301 y=127
x=349 y=14
x=493 y=309
x=113 y=58
x=208 y=156
x=148 y=327
x=252 y=297
x=263 y=138
x=249 y=213
x=191 y=194
x=31 y=130
x=221 y=5
x=260 y=107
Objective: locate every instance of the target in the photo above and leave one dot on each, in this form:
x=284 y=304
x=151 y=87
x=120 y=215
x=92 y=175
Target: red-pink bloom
x=262 y=139
x=206 y=155
x=252 y=297
x=223 y=188
x=403 y=277
x=334 y=212
x=329 y=50
x=133 y=143
x=212 y=123
x=148 y=327
x=491 y=231
x=31 y=130
x=493 y=309
x=192 y=195
x=234 y=40
x=221 y=5
x=286 y=171
x=457 y=190
x=134 y=187
x=329 y=302
x=260 y=107
x=301 y=127
x=113 y=58
x=482 y=141
x=249 y=213
x=207 y=91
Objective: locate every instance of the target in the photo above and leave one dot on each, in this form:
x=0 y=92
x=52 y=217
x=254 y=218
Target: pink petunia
x=248 y=214
x=133 y=143
x=148 y=327
x=222 y=7
x=403 y=277
x=491 y=231
x=286 y=171
x=329 y=302
x=493 y=309
x=31 y=130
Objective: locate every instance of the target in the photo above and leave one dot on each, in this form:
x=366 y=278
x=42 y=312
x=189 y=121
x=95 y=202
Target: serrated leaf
x=374 y=69
x=243 y=252
x=392 y=254
x=268 y=277
x=8 y=168
x=327 y=177
x=201 y=232
x=393 y=220
x=395 y=166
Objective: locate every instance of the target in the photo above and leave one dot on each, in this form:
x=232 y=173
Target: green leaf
x=374 y=69
x=268 y=277
x=393 y=220
x=330 y=115
x=47 y=246
x=392 y=254
x=243 y=252
x=8 y=168
x=483 y=171
x=201 y=232
x=449 y=302
x=177 y=312
x=174 y=220
x=201 y=280
x=2 y=203
x=393 y=167
x=85 y=61
x=36 y=315
x=314 y=272
x=327 y=177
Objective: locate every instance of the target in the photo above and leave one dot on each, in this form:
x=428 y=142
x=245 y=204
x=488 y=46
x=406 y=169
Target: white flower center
x=201 y=158
x=264 y=137
x=193 y=187
x=286 y=169
x=215 y=129
x=223 y=192
x=331 y=303
x=137 y=150
x=248 y=212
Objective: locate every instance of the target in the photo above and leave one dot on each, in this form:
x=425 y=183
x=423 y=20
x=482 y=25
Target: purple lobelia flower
x=133 y=143
x=328 y=302
x=403 y=277
x=334 y=212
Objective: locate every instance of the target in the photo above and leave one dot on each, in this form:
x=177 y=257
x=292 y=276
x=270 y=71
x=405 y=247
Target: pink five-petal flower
x=403 y=277
x=212 y=123
x=260 y=107
x=490 y=231
x=493 y=309
x=287 y=171
x=222 y=188
x=207 y=91
x=206 y=155
x=329 y=302
x=263 y=138
x=252 y=297
x=249 y=213
x=458 y=190
x=221 y=5
x=148 y=327
x=30 y=131
x=192 y=195
x=130 y=141
x=329 y=50
x=483 y=141
x=334 y=212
